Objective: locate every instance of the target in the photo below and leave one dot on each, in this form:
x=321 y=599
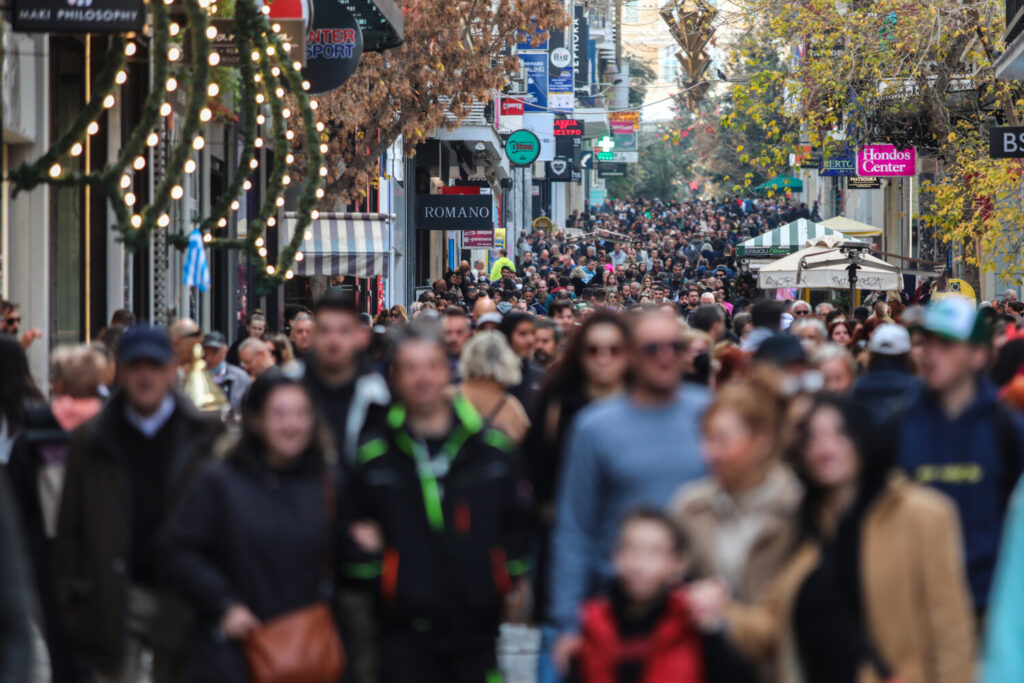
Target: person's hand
x=30 y=336
x=566 y=647
x=238 y=621
x=706 y=601
x=518 y=602
x=367 y=536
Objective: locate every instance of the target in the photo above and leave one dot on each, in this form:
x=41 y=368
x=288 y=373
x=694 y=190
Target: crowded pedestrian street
x=410 y=341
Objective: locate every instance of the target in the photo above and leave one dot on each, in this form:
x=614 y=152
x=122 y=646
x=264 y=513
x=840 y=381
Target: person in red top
x=642 y=631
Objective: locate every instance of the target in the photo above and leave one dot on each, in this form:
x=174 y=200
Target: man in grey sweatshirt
x=634 y=449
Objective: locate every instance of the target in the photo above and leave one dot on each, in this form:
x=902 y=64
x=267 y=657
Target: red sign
x=289 y=9
x=512 y=107
x=572 y=128
x=477 y=239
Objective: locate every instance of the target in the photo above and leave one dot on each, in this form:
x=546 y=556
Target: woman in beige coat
x=877 y=590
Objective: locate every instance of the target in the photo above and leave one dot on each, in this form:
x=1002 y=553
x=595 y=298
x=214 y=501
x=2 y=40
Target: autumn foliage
x=456 y=53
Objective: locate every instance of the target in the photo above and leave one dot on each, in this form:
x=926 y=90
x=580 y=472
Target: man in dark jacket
x=889 y=386
x=344 y=389
x=958 y=438
x=126 y=468
x=452 y=521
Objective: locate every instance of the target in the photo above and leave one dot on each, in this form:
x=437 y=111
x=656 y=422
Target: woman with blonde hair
x=488 y=367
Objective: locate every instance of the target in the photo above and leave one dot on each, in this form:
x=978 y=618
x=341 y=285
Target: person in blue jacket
x=1004 y=638
x=958 y=438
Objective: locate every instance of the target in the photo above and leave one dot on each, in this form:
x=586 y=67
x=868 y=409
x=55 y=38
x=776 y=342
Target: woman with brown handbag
x=252 y=548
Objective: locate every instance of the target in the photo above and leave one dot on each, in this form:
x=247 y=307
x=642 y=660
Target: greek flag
x=197 y=271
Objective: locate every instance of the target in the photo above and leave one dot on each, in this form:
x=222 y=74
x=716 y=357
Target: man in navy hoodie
x=957 y=437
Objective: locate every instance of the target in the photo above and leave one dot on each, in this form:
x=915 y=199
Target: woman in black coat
x=253 y=540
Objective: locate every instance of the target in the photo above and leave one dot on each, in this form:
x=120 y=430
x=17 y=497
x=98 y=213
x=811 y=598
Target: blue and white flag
x=197 y=271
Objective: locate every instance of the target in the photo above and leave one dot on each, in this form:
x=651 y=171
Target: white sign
x=543 y=126
x=560 y=58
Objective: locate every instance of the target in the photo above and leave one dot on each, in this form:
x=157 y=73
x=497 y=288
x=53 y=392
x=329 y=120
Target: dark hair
x=122 y=317
x=705 y=317
x=17 y=386
x=767 y=314
x=337 y=302
x=568 y=374
x=455 y=312
x=657 y=516
x=559 y=305
x=1008 y=362
x=252 y=444
x=860 y=314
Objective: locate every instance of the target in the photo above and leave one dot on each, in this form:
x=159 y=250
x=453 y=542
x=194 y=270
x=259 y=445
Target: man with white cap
x=957 y=437
x=889 y=385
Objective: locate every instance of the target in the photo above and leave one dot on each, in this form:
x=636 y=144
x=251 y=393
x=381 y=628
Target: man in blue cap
x=126 y=469
x=957 y=437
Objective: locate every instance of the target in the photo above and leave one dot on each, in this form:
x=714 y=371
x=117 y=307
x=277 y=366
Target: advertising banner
x=510 y=114
x=454 y=212
x=624 y=126
x=333 y=47
x=543 y=126
x=842 y=165
x=536 y=65
x=578 y=45
x=560 y=80
x=885 y=161
x=476 y=239
x=62 y=16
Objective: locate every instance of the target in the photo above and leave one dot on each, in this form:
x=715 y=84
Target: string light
x=130 y=49
x=165 y=109
x=139 y=163
x=288 y=274
x=271 y=222
x=174 y=54
x=205 y=115
x=258 y=142
x=254 y=164
x=126 y=181
x=172 y=84
x=308 y=235
x=314 y=214
x=136 y=221
x=259 y=242
x=222 y=223
x=213 y=90
x=279 y=201
x=55 y=171
x=177 y=192
x=286 y=112
x=290 y=159
x=190 y=166
x=263 y=253
x=76 y=149
x=261 y=119
x=164 y=220
x=108 y=101
x=93 y=128
x=207 y=238
x=198 y=143
x=247 y=185
x=174 y=28
x=234 y=205
x=129 y=199
x=152 y=139
x=121 y=77
x=299 y=256
x=211 y=32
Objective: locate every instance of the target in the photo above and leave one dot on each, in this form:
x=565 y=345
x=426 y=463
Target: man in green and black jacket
x=439 y=516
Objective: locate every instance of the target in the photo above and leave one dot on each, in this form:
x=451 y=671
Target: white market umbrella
x=825 y=264
x=783 y=240
x=850 y=227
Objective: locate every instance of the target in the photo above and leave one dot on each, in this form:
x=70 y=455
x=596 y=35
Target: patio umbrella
x=783 y=240
x=850 y=227
x=781 y=184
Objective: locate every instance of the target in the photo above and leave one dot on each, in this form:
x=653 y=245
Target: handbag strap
x=331 y=516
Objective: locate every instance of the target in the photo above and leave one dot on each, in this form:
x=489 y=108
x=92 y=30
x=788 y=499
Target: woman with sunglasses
x=593 y=366
x=876 y=590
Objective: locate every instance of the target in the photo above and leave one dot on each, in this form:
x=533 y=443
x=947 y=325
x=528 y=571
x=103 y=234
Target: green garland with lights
x=264 y=79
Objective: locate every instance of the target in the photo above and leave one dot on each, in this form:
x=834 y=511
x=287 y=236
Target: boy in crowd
x=642 y=632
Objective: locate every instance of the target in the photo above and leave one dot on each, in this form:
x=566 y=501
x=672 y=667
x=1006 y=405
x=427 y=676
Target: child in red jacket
x=642 y=632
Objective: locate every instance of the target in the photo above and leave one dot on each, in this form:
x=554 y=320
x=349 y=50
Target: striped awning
x=784 y=240
x=354 y=244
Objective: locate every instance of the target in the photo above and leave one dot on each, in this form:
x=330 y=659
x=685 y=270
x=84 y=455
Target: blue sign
x=526 y=40
x=843 y=165
x=536 y=64
x=587 y=160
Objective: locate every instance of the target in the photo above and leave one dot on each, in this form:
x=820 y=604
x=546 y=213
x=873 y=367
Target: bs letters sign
x=1006 y=142
x=522 y=148
x=455 y=212
x=333 y=47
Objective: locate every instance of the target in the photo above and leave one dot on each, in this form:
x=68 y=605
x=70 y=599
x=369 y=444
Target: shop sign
x=333 y=47
x=78 y=16
x=845 y=165
x=477 y=239
x=861 y=183
x=454 y=212
x=571 y=128
x=885 y=161
x=522 y=148
x=1006 y=142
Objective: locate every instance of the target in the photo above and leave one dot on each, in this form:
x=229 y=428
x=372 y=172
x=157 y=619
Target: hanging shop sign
x=560 y=80
x=78 y=16
x=454 y=212
x=1006 y=142
x=522 y=148
x=559 y=170
x=333 y=47
x=844 y=165
x=477 y=239
x=885 y=161
x=570 y=128
x=536 y=66
x=611 y=170
x=861 y=183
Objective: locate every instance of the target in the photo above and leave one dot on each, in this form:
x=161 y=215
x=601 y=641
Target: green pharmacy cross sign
x=522 y=148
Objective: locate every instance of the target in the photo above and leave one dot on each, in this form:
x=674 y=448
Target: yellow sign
x=499 y=238
x=960 y=288
x=543 y=223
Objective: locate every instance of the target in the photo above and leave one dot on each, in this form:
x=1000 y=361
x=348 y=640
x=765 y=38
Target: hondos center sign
x=454 y=212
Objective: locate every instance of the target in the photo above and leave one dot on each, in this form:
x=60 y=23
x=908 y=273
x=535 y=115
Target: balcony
x=1010 y=66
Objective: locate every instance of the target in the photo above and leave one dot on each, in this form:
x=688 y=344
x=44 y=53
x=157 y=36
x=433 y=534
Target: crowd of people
x=615 y=439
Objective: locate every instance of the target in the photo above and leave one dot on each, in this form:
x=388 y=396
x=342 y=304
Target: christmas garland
x=265 y=78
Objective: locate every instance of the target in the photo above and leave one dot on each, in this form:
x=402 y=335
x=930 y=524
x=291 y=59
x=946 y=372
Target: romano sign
x=78 y=16
x=454 y=212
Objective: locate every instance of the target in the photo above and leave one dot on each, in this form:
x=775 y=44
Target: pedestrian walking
x=18 y=392
x=255 y=537
x=448 y=516
x=630 y=450
x=488 y=368
x=126 y=469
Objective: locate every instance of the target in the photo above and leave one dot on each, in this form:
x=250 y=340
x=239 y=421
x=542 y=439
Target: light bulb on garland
x=76 y=149
x=190 y=166
x=164 y=220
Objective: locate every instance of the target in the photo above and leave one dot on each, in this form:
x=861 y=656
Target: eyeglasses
x=802 y=312
x=13 y=320
x=654 y=349
x=596 y=350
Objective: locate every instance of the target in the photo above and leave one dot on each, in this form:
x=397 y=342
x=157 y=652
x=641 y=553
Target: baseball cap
x=145 y=343
x=491 y=317
x=215 y=339
x=954 y=318
x=890 y=340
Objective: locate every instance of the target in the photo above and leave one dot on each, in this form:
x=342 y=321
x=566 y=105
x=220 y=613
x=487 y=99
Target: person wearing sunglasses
x=801 y=309
x=634 y=449
x=10 y=323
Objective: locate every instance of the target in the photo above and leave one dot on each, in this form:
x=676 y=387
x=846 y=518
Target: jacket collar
x=467 y=423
